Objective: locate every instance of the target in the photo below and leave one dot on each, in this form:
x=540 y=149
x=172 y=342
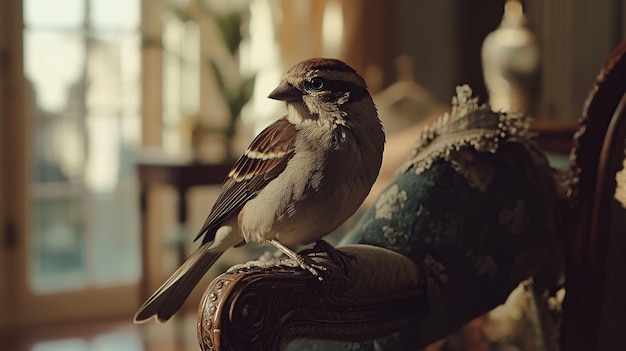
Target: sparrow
x=300 y=178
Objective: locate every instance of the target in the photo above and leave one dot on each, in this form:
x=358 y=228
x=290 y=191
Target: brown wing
x=266 y=157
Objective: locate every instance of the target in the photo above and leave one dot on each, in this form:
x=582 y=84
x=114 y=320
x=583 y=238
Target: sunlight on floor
x=179 y=334
x=123 y=341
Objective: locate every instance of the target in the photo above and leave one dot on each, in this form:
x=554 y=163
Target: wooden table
x=181 y=175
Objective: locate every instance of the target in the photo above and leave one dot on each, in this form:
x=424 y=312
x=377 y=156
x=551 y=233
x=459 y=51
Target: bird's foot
x=338 y=257
x=305 y=262
x=308 y=264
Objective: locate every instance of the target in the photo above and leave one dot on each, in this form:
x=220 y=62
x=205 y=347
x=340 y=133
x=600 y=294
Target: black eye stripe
x=337 y=86
x=340 y=86
x=334 y=89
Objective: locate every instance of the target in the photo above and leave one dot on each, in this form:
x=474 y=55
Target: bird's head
x=322 y=87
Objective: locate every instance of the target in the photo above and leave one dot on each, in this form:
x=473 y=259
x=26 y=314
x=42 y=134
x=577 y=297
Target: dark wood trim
x=587 y=238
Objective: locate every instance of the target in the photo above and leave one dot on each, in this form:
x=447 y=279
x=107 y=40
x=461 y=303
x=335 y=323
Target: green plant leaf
x=230 y=28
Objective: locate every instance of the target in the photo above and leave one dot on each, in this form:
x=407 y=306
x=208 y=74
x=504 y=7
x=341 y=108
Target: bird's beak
x=285 y=92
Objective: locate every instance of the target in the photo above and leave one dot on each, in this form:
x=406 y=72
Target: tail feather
x=172 y=294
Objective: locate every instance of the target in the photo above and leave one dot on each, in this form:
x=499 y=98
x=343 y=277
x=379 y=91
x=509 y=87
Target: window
x=82 y=62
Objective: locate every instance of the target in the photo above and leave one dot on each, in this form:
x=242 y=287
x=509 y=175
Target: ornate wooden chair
x=264 y=305
x=475 y=211
x=594 y=309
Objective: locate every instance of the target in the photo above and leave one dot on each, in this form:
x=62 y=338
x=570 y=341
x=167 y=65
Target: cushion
x=472 y=207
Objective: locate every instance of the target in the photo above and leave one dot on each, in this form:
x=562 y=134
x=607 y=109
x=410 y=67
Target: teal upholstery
x=471 y=207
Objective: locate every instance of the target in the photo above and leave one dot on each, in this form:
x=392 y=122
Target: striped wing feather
x=266 y=157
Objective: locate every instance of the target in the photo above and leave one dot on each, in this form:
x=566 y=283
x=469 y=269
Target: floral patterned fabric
x=475 y=197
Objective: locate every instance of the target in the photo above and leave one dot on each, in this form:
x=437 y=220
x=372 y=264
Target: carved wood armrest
x=263 y=305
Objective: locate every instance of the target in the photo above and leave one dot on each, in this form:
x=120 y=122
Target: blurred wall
x=12 y=158
x=4 y=65
x=444 y=40
x=576 y=37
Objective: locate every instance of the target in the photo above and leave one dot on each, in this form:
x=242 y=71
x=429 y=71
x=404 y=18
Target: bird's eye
x=317 y=83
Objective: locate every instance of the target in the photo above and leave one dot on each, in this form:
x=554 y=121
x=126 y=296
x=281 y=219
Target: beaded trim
x=467 y=125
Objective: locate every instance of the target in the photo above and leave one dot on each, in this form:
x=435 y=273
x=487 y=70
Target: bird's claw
x=308 y=264
x=338 y=257
x=304 y=261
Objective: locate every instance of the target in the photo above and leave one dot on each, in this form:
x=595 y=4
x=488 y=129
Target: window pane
x=59 y=241
x=85 y=86
x=181 y=76
x=115 y=14
x=54 y=13
x=113 y=72
x=54 y=63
